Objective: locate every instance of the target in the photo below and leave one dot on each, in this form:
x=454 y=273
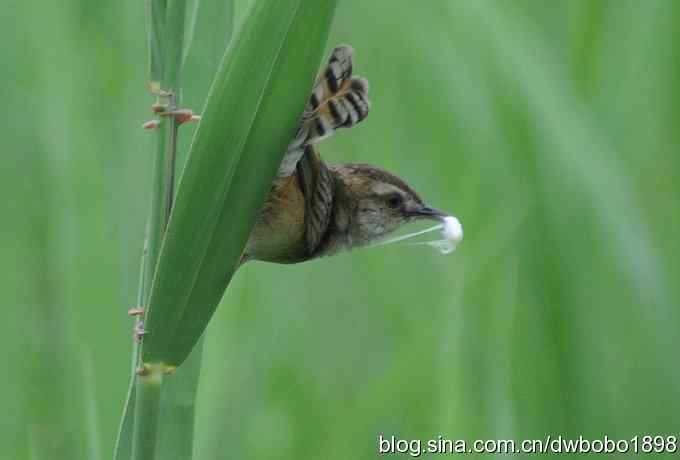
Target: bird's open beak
x=426 y=212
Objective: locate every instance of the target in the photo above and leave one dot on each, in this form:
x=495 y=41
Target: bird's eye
x=394 y=201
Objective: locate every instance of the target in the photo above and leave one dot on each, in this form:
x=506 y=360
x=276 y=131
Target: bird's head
x=378 y=203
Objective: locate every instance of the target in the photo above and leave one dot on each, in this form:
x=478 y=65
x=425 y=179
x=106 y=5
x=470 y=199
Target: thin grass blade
x=155 y=19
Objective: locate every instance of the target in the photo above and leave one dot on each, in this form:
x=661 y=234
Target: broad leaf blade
x=252 y=111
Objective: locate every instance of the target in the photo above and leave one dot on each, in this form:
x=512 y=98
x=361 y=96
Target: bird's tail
x=338 y=100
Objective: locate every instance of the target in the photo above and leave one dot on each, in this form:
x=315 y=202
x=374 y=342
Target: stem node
x=136 y=311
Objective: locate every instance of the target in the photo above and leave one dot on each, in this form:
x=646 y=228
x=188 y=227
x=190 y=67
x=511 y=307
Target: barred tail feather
x=329 y=82
x=344 y=109
x=338 y=100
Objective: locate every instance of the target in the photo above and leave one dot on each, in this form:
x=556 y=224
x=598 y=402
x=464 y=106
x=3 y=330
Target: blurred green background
x=549 y=128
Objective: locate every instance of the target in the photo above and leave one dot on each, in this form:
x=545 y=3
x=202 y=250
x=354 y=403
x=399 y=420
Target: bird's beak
x=426 y=212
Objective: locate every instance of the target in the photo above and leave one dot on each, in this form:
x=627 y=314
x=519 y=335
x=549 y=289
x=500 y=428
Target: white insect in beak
x=451 y=231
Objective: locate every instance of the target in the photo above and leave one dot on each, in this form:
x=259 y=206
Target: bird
x=315 y=209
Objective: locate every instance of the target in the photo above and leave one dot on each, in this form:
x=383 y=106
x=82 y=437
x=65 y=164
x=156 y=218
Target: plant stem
x=178 y=407
x=178 y=399
x=168 y=16
x=162 y=188
x=147 y=404
x=140 y=300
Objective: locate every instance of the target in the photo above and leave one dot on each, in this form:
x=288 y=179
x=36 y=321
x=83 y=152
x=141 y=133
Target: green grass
x=195 y=237
x=551 y=132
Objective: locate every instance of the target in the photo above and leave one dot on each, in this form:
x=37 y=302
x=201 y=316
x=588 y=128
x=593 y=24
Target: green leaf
x=178 y=409
x=253 y=108
x=189 y=26
x=155 y=24
x=147 y=411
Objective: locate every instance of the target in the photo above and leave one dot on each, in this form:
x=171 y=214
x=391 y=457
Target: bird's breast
x=279 y=232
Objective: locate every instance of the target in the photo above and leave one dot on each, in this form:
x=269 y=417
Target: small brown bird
x=315 y=209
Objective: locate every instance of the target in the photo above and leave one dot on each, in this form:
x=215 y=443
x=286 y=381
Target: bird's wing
x=317 y=186
x=338 y=100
